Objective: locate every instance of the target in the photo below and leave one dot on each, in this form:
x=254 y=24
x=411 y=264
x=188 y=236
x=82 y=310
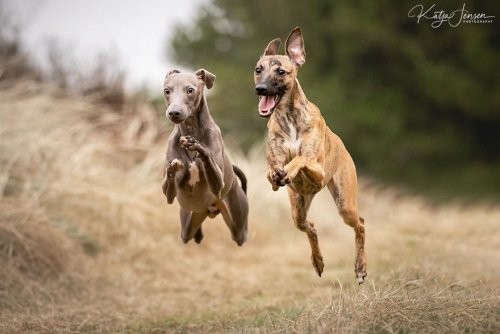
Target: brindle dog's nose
x=261 y=88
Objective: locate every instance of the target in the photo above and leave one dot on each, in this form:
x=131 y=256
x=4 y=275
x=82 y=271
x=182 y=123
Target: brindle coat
x=302 y=152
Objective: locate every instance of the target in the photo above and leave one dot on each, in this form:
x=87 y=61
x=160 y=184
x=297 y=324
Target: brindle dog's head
x=275 y=74
x=183 y=93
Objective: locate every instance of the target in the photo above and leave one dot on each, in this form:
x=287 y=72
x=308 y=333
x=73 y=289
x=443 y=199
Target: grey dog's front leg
x=168 y=184
x=213 y=173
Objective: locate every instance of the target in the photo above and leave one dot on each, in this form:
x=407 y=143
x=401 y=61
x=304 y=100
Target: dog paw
x=317 y=261
x=360 y=277
x=189 y=143
x=270 y=179
x=174 y=166
x=360 y=271
x=280 y=177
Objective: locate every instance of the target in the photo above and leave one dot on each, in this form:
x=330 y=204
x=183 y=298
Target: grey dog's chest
x=194 y=193
x=193 y=170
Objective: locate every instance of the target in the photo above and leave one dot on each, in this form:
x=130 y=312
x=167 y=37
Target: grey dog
x=197 y=170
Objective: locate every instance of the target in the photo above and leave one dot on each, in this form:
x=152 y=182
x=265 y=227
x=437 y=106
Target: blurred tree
x=413 y=104
x=14 y=63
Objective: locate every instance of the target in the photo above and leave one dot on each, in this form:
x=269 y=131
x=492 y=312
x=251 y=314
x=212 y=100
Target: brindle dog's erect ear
x=207 y=77
x=272 y=48
x=171 y=72
x=295 y=47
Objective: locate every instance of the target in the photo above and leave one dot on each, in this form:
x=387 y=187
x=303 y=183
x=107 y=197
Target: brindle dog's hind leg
x=300 y=206
x=343 y=189
x=191 y=225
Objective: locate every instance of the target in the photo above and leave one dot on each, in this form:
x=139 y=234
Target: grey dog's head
x=183 y=93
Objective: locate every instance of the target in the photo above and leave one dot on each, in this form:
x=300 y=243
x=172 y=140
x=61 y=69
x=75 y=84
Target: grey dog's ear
x=272 y=48
x=171 y=72
x=207 y=77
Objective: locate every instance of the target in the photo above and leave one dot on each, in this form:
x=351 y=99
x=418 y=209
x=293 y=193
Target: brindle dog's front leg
x=278 y=177
x=213 y=173
x=276 y=160
x=313 y=170
x=307 y=162
x=168 y=184
x=276 y=173
x=281 y=176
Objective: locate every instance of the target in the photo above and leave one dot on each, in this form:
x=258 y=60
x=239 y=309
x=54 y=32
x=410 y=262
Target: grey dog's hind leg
x=191 y=225
x=237 y=204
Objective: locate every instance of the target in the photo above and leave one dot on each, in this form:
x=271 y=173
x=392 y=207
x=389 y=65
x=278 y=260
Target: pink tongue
x=266 y=103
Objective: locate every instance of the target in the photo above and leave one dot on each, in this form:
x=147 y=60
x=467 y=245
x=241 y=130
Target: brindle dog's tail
x=242 y=177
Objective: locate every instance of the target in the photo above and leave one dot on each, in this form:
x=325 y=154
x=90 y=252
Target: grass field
x=89 y=245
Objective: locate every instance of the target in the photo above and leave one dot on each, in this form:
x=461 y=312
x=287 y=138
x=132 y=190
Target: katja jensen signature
x=454 y=18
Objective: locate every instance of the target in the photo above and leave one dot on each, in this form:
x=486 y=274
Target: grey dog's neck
x=197 y=121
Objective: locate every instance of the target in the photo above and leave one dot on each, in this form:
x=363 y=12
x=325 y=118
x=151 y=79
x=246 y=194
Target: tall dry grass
x=88 y=243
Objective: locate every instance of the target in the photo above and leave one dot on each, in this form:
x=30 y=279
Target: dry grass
x=88 y=243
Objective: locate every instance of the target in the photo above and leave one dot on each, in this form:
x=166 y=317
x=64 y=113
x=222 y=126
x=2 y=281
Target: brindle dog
x=302 y=152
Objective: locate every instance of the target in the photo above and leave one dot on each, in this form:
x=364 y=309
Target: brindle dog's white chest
x=293 y=141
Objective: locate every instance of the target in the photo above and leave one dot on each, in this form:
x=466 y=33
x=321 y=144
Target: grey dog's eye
x=166 y=91
x=190 y=90
x=258 y=70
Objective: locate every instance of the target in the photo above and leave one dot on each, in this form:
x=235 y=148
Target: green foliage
x=413 y=104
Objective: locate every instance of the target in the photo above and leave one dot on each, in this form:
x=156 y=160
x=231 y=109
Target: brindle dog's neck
x=293 y=107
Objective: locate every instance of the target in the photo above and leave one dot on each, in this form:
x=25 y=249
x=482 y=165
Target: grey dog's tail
x=242 y=177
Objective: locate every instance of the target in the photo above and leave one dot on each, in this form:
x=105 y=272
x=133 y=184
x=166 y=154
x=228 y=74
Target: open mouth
x=267 y=103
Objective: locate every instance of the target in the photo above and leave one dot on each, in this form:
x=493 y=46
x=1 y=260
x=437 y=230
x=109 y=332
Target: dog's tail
x=242 y=177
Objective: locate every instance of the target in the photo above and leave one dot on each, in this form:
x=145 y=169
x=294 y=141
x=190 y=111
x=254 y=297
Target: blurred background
x=88 y=243
x=416 y=106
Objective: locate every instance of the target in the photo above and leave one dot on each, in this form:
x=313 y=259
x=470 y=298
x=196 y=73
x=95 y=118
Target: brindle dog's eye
x=281 y=71
x=258 y=70
x=190 y=90
x=166 y=91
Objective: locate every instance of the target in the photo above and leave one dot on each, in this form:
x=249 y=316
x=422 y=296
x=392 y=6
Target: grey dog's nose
x=174 y=113
x=261 y=88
